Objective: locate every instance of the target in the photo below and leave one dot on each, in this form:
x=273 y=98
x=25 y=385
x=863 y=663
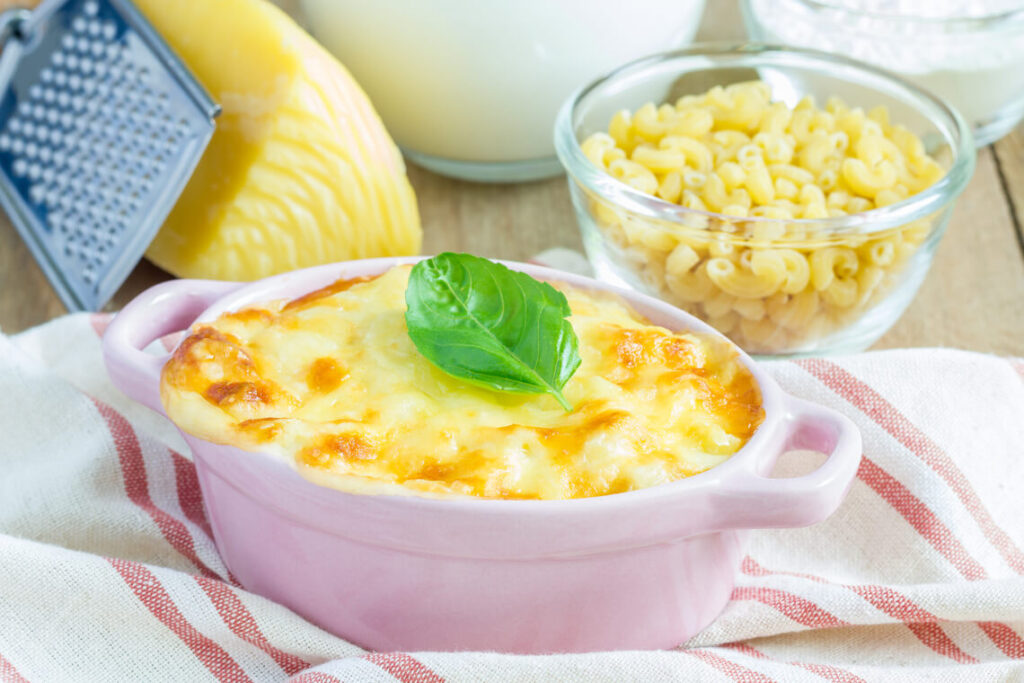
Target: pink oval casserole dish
x=644 y=569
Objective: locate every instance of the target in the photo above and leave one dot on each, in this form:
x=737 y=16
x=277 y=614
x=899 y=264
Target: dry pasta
x=774 y=285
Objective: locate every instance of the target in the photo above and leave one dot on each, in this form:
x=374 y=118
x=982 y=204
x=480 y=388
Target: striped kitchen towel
x=108 y=571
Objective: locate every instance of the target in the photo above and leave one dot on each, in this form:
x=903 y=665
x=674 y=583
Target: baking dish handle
x=169 y=307
x=756 y=501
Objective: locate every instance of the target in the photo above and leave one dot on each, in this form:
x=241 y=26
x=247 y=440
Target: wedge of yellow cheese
x=300 y=170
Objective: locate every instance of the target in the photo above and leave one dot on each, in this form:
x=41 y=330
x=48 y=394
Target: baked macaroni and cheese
x=332 y=382
x=753 y=258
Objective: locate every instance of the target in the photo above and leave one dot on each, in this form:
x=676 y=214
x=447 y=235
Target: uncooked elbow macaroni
x=773 y=284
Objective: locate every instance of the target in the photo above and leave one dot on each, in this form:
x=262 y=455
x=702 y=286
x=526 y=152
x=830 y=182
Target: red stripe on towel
x=100 y=322
x=831 y=673
x=403 y=667
x=1004 y=637
x=314 y=677
x=242 y=623
x=799 y=609
x=1018 y=365
x=8 y=674
x=190 y=496
x=920 y=516
x=888 y=417
x=922 y=623
x=136 y=485
x=736 y=672
x=154 y=596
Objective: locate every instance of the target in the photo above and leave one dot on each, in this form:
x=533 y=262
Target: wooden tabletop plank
x=971 y=299
x=1009 y=155
x=973 y=294
x=513 y=222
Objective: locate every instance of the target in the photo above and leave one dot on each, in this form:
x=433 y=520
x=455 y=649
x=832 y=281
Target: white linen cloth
x=108 y=571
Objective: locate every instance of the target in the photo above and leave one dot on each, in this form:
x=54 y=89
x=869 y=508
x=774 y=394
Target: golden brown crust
x=331 y=381
x=316 y=296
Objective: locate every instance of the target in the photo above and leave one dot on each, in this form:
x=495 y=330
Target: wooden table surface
x=973 y=297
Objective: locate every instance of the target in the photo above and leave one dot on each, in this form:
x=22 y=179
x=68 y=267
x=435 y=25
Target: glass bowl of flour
x=969 y=52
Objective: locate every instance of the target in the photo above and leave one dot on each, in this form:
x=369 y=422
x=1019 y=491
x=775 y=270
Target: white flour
x=936 y=9
x=977 y=64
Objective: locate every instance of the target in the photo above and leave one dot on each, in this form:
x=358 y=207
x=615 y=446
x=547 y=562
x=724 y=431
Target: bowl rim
x=929 y=201
x=1009 y=19
x=774 y=401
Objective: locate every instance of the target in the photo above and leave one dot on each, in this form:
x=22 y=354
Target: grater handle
x=169 y=307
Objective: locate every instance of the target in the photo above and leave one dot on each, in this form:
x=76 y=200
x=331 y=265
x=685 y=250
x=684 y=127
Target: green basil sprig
x=491 y=326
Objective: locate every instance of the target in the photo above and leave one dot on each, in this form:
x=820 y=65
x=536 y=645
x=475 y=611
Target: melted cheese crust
x=332 y=382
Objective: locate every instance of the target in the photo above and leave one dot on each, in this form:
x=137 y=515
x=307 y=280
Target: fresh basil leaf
x=491 y=326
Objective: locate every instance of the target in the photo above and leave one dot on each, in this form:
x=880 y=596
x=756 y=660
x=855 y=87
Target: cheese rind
x=332 y=383
x=300 y=170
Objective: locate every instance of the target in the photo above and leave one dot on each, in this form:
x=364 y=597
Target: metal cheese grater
x=101 y=126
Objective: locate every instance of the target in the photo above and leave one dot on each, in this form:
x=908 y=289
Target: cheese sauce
x=331 y=382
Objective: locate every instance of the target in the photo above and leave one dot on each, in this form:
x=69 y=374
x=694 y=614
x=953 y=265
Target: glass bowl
x=974 y=62
x=867 y=266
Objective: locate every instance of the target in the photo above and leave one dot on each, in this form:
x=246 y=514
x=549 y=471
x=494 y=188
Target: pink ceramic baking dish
x=644 y=569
